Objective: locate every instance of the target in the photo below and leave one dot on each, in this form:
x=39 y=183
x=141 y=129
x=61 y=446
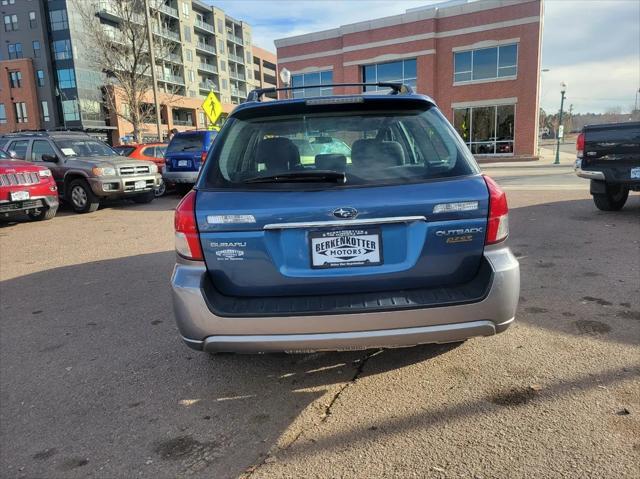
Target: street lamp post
x=560 y=133
x=285 y=76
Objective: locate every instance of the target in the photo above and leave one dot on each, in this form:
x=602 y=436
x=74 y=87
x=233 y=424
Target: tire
x=613 y=199
x=183 y=188
x=160 y=190
x=81 y=198
x=144 y=198
x=43 y=214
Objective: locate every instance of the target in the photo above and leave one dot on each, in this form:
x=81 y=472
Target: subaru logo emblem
x=345 y=213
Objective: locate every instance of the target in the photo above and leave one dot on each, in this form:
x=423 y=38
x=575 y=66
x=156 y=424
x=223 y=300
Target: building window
x=45 y=111
x=223 y=65
x=36 y=48
x=70 y=110
x=224 y=84
x=10 y=23
x=220 y=46
x=66 y=78
x=3 y=114
x=62 y=49
x=185 y=9
x=187 y=31
x=487 y=130
x=403 y=71
x=21 y=112
x=486 y=63
x=249 y=57
x=220 y=26
x=8 y=2
x=312 y=79
x=58 y=20
x=32 y=20
x=40 y=77
x=15 y=50
x=189 y=56
x=15 y=79
x=192 y=77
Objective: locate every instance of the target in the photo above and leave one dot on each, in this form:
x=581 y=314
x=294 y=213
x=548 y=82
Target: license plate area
x=635 y=173
x=140 y=184
x=183 y=163
x=345 y=248
x=19 y=195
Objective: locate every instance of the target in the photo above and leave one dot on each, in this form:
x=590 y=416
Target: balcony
x=172 y=57
x=208 y=86
x=236 y=58
x=234 y=39
x=207 y=67
x=204 y=26
x=205 y=47
x=238 y=92
x=169 y=10
x=237 y=75
x=183 y=122
x=169 y=78
x=107 y=10
x=166 y=33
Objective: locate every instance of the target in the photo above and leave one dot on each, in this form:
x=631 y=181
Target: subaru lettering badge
x=345 y=213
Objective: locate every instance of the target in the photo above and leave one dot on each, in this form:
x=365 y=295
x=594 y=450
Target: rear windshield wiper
x=293 y=176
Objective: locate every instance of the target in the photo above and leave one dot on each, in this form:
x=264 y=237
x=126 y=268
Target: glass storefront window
x=487 y=130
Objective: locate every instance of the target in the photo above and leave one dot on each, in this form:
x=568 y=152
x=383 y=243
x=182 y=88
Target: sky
x=592 y=45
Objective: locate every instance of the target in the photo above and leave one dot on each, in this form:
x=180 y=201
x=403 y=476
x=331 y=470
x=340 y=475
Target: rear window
x=190 y=142
x=366 y=148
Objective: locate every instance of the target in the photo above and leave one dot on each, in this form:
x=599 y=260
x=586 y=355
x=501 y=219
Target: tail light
x=203 y=157
x=580 y=145
x=186 y=229
x=498 y=224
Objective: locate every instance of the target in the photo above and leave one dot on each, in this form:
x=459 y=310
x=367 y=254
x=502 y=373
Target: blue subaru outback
x=342 y=222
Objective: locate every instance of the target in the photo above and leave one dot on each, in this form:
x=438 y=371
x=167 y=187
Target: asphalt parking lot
x=96 y=383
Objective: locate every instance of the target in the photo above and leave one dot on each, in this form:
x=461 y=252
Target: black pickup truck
x=609 y=155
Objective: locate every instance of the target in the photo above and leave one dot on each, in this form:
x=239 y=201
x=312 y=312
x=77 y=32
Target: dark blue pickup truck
x=609 y=155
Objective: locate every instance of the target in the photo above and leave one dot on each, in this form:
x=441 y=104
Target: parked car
x=609 y=155
x=85 y=169
x=185 y=156
x=400 y=242
x=26 y=189
x=147 y=151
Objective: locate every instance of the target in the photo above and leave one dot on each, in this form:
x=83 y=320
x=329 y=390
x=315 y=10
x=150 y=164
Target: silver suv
x=86 y=170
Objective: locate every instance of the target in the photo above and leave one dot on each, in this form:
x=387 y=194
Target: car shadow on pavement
x=91 y=352
x=96 y=382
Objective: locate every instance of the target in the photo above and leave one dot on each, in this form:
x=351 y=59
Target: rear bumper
x=615 y=174
x=203 y=330
x=189 y=177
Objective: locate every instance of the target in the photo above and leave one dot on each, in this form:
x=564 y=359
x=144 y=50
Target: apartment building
x=480 y=61
x=265 y=69
x=209 y=51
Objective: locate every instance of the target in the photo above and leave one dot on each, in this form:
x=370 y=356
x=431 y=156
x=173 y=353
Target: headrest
x=278 y=154
x=331 y=161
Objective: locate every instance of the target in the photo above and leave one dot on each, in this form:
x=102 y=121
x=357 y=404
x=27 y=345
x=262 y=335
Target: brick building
x=480 y=61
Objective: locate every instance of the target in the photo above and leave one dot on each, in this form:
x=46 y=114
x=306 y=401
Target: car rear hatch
x=321 y=238
x=186 y=151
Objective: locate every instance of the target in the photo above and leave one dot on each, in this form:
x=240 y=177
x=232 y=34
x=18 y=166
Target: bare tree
x=120 y=50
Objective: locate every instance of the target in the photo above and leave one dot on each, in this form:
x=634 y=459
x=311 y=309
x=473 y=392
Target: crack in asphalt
x=248 y=473
x=362 y=362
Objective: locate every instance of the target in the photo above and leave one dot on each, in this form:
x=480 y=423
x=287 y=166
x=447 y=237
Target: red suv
x=26 y=188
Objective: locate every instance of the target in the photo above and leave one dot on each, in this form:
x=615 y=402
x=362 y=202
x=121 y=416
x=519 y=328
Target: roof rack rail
x=45 y=133
x=396 y=88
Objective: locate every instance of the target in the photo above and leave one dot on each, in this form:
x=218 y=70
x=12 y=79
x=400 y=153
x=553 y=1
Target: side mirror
x=13 y=154
x=50 y=158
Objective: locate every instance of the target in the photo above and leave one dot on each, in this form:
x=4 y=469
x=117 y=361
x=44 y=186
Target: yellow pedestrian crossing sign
x=212 y=107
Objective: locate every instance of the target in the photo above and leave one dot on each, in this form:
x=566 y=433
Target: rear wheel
x=43 y=214
x=183 y=188
x=145 y=197
x=81 y=197
x=613 y=199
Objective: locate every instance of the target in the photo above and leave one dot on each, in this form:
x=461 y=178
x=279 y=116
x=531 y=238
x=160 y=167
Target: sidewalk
x=547 y=157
